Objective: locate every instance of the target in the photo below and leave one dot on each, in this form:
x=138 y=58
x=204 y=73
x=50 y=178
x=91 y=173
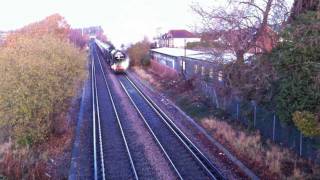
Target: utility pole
x=183 y=59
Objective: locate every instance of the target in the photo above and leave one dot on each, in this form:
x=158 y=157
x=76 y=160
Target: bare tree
x=242 y=23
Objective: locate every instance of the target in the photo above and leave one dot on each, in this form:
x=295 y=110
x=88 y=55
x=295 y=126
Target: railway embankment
x=246 y=152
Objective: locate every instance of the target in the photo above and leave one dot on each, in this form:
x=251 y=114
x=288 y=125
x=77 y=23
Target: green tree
x=297 y=62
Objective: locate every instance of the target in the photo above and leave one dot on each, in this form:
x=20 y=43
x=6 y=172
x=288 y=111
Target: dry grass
x=49 y=160
x=145 y=76
x=4 y=148
x=270 y=161
x=280 y=162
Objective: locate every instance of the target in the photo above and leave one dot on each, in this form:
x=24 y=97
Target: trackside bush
x=307 y=123
x=139 y=53
x=38 y=77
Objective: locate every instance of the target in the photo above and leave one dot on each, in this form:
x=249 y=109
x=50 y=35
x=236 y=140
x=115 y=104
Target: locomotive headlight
x=125 y=63
x=113 y=66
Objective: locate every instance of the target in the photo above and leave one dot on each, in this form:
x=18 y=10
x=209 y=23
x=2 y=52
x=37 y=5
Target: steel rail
x=95 y=168
x=96 y=117
x=99 y=128
x=151 y=131
x=118 y=120
x=211 y=170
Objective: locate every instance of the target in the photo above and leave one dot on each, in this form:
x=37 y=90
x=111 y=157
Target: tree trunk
x=240 y=57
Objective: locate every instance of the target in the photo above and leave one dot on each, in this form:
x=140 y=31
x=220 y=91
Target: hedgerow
x=38 y=77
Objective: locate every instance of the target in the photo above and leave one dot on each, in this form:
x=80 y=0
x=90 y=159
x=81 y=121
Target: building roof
x=200 y=55
x=177 y=52
x=181 y=33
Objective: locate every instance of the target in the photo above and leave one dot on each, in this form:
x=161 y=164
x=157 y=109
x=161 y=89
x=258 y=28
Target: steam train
x=117 y=60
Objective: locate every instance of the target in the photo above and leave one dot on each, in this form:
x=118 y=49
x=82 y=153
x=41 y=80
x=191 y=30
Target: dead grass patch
x=280 y=162
x=145 y=76
x=49 y=160
x=270 y=161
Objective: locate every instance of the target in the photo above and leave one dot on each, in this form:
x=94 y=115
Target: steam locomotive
x=117 y=60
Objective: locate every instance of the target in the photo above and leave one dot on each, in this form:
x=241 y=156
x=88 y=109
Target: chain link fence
x=266 y=121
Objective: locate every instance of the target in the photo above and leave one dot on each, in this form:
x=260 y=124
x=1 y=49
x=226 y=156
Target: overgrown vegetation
x=39 y=76
x=297 y=62
x=286 y=79
x=139 y=53
x=266 y=158
x=307 y=122
x=281 y=163
x=250 y=81
x=40 y=73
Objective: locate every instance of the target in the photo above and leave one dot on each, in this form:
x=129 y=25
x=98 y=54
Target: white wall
x=180 y=42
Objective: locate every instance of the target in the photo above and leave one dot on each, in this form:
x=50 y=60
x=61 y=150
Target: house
x=177 y=39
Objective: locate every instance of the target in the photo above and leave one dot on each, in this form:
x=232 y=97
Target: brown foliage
x=250 y=81
x=138 y=51
x=54 y=24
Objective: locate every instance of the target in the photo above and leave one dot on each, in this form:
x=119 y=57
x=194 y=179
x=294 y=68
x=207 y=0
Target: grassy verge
x=267 y=159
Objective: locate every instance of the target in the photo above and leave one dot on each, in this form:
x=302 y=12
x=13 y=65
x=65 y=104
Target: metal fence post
x=216 y=97
x=300 y=144
x=254 y=115
x=274 y=127
x=237 y=111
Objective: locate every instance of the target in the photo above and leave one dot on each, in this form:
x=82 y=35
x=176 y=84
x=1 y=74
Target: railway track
x=185 y=158
x=112 y=156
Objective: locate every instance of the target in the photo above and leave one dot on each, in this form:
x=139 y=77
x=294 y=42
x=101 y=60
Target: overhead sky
x=123 y=21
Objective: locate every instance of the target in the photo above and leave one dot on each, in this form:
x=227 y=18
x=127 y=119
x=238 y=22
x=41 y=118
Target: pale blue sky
x=124 y=21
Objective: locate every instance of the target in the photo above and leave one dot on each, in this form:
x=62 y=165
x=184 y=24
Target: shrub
x=38 y=77
x=138 y=53
x=250 y=81
x=296 y=61
x=145 y=60
x=307 y=123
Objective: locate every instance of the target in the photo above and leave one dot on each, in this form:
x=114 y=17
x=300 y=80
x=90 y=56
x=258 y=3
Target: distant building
x=190 y=63
x=94 y=30
x=177 y=39
x=3 y=36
